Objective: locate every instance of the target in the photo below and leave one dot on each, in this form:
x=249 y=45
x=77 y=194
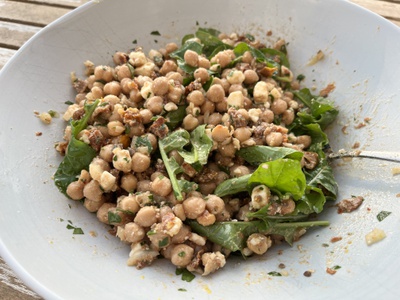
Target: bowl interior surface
x=361 y=60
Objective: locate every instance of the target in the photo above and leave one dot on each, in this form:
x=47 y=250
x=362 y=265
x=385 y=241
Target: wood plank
x=5 y=55
x=390 y=10
x=13 y=35
x=58 y=3
x=29 y=14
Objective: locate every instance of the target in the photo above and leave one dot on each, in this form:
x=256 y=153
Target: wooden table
x=21 y=19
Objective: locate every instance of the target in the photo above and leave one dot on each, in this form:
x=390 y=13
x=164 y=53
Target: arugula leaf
x=320 y=110
x=174 y=118
x=271 y=53
x=313 y=201
x=256 y=155
x=281 y=176
x=211 y=43
x=79 y=154
x=189 y=45
x=242 y=47
x=201 y=147
x=232 y=186
x=322 y=177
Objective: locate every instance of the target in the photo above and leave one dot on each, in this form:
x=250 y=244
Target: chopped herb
x=249 y=37
x=115 y=158
x=53 y=113
x=186 y=275
x=382 y=215
x=114 y=217
x=151 y=232
x=68 y=102
x=76 y=230
x=182 y=290
x=336 y=267
x=163 y=243
x=156 y=32
x=274 y=273
x=182 y=254
x=134 y=41
x=156 y=41
x=300 y=77
x=325 y=245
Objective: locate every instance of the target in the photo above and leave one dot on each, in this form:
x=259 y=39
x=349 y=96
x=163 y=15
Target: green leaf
x=256 y=155
x=174 y=118
x=176 y=140
x=383 y=215
x=155 y=32
x=187 y=186
x=282 y=175
x=79 y=154
x=274 y=273
x=232 y=186
x=271 y=53
x=209 y=39
x=313 y=201
x=242 y=47
x=322 y=177
x=189 y=45
x=186 y=275
x=142 y=141
x=320 y=110
x=201 y=147
x=113 y=218
x=75 y=230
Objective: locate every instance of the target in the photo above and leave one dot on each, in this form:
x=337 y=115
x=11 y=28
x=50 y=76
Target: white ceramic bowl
x=362 y=59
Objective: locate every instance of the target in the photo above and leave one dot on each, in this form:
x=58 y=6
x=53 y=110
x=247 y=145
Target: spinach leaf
x=242 y=47
x=189 y=45
x=232 y=186
x=201 y=147
x=281 y=176
x=256 y=155
x=79 y=154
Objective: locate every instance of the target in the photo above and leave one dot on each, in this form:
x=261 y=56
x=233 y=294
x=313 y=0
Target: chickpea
x=93 y=206
x=220 y=133
x=175 y=94
x=237 y=171
x=215 y=93
x=120 y=58
x=168 y=66
x=196 y=97
x=102 y=212
x=258 y=243
x=202 y=75
x=242 y=133
x=179 y=211
x=129 y=182
x=97 y=92
x=171 y=47
x=146 y=216
x=204 y=62
x=221 y=177
x=206 y=218
x=143 y=186
x=106 y=152
x=115 y=128
x=75 y=190
x=131 y=233
x=161 y=185
x=181 y=255
x=140 y=162
x=190 y=122
x=112 y=88
x=214 y=204
x=93 y=191
x=175 y=77
x=288 y=116
x=207 y=107
x=274 y=139
x=278 y=106
x=194 y=207
x=160 y=86
x=123 y=71
x=154 y=104
x=103 y=73
x=247 y=57
x=227 y=150
x=223 y=58
x=128 y=203
x=191 y=58
x=267 y=116
x=304 y=140
x=250 y=77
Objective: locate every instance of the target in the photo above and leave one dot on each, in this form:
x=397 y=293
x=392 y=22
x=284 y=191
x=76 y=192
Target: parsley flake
x=156 y=32
x=383 y=215
x=274 y=273
x=186 y=275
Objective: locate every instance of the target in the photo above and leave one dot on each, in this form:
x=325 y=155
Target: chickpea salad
x=197 y=151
